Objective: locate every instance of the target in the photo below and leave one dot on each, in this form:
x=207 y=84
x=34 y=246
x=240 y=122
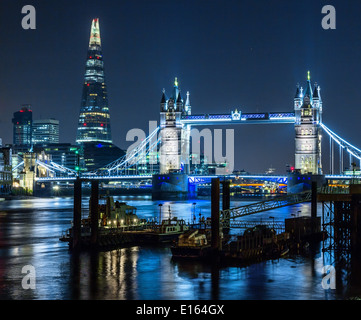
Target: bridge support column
x=216 y=243
x=172 y=186
x=77 y=215
x=226 y=204
x=94 y=213
x=297 y=182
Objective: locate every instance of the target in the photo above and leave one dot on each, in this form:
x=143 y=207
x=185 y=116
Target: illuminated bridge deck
x=238 y=118
x=191 y=178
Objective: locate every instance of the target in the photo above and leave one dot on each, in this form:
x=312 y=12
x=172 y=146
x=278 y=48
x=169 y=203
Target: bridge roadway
x=192 y=178
x=239 y=118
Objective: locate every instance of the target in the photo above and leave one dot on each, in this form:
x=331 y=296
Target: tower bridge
x=165 y=156
x=165 y=153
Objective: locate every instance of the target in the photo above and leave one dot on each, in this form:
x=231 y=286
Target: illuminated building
x=5 y=169
x=94 y=118
x=45 y=131
x=98 y=155
x=94 y=132
x=64 y=154
x=174 y=151
x=22 y=126
x=308 y=112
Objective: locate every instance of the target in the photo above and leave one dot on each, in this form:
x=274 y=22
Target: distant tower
x=94 y=118
x=22 y=126
x=308 y=112
x=174 y=149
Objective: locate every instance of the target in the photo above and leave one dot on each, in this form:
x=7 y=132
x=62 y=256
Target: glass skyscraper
x=94 y=118
x=22 y=126
x=45 y=131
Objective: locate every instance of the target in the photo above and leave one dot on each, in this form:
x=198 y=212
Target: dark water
x=29 y=235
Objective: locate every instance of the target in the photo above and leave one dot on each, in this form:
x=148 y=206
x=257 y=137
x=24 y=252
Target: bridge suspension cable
x=18 y=165
x=352 y=150
x=53 y=167
x=135 y=156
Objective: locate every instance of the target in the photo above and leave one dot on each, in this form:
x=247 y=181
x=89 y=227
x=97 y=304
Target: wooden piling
x=314 y=200
x=215 y=235
x=94 y=213
x=77 y=214
x=226 y=197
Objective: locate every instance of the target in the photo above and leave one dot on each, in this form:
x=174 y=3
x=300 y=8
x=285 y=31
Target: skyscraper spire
x=94 y=118
x=95 y=34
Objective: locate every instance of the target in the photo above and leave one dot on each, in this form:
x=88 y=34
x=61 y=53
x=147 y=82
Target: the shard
x=94 y=118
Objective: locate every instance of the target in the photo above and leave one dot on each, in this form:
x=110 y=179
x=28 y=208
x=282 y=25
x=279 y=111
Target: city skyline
x=244 y=66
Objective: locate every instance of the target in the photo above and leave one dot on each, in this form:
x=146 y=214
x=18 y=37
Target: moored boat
x=169 y=230
x=118 y=224
x=192 y=244
x=114 y=218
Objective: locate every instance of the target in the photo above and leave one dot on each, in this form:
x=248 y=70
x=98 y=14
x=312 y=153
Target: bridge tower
x=175 y=137
x=308 y=113
x=172 y=181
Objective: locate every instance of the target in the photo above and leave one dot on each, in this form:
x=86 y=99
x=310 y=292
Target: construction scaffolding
x=341 y=223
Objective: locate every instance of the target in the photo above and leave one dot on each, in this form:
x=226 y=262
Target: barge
x=193 y=244
x=168 y=231
x=119 y=225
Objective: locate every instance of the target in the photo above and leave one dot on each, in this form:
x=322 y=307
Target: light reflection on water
x=29 y=233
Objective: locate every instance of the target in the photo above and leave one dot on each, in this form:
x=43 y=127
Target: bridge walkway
x=266 y=205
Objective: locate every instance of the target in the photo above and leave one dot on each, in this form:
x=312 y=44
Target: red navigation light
x=292 y=168
x=90 y=57
x=102 y=125
x=84 y=124
x=88 y=84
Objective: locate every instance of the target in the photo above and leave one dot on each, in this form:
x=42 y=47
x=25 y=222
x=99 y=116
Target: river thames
x=30 y=231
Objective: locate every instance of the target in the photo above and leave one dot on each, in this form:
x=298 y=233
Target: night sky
x=248 y=55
